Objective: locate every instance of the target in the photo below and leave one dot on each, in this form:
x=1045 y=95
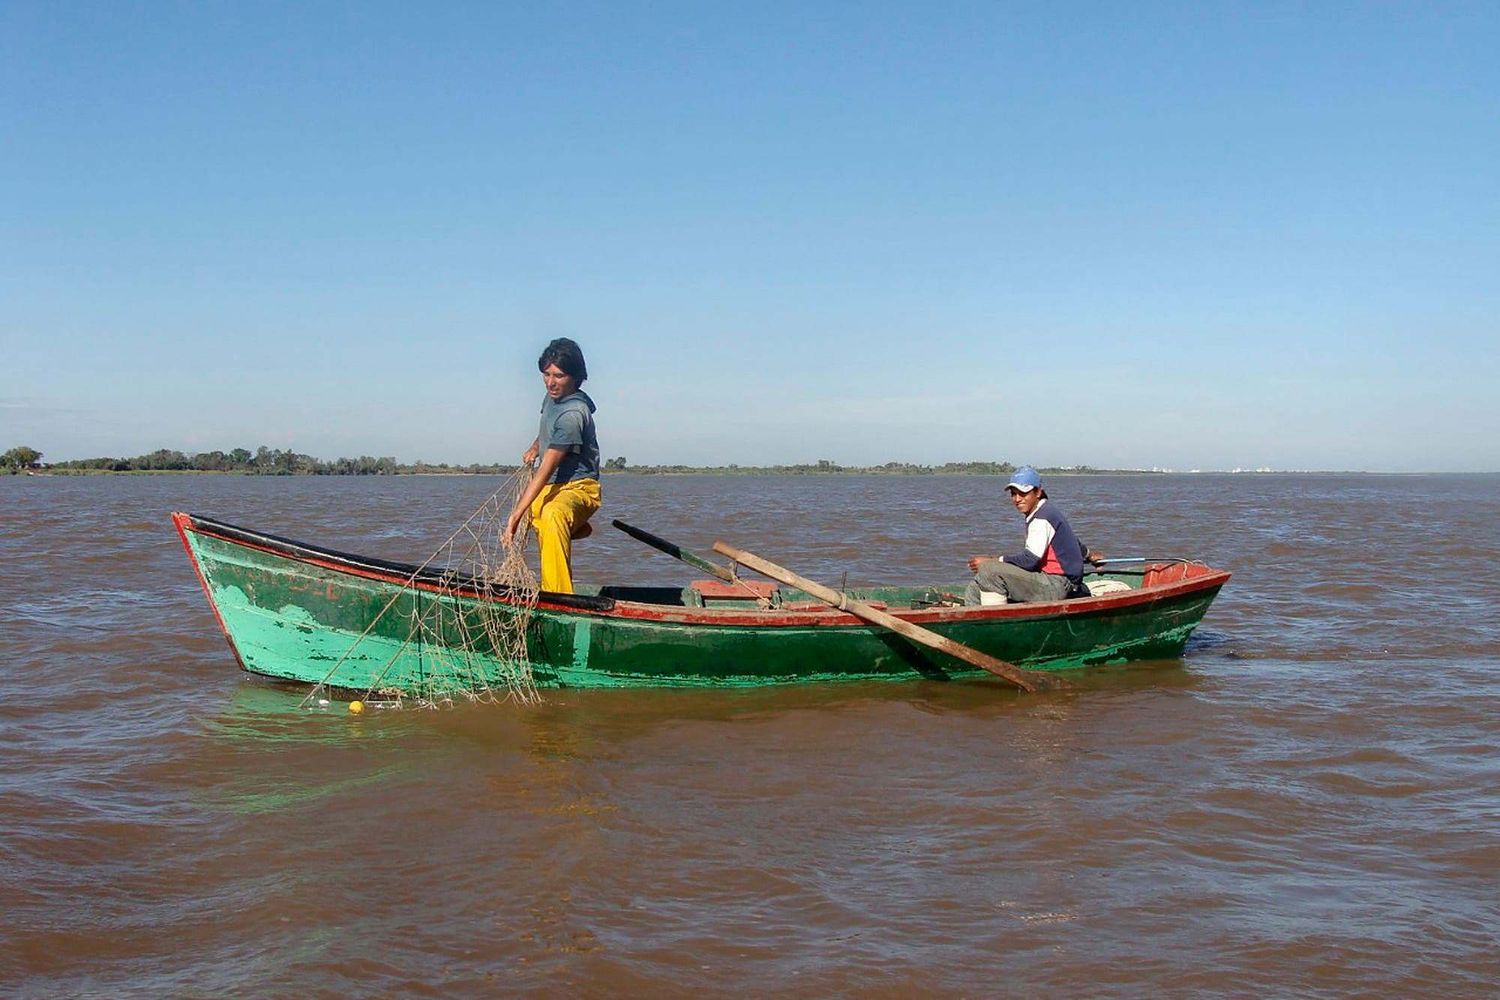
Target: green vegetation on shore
x=263 y=461
x=826 y=467
x=266 y=461
x=20 y=459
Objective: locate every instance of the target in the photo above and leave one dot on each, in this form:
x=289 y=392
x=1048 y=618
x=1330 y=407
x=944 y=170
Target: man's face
x=557 y=382
x=1025 y=502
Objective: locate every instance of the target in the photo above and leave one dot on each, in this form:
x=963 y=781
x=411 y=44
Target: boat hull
x=302 y=613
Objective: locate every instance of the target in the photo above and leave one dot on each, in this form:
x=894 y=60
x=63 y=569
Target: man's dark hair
x=566 y=355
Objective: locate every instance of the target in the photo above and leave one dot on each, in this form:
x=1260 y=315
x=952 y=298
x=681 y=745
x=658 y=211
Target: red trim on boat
x=1193 y=577
x=179 y=521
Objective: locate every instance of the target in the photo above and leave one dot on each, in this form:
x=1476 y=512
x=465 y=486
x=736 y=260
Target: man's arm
x=551 y=459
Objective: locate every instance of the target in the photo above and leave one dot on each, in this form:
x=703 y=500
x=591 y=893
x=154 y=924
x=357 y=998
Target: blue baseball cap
x=1024 y=479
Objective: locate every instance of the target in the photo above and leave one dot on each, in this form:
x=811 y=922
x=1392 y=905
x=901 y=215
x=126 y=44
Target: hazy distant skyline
x=1152 y=235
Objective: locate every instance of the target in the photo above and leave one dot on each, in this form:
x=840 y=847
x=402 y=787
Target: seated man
x=1050 y=568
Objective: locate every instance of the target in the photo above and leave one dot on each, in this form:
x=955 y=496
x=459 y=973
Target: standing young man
x=564 y=489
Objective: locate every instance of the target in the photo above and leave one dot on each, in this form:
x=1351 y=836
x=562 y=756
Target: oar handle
x=675 y=551
x=1026 y=680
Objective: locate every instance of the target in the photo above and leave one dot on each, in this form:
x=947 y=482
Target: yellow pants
x=561 y=513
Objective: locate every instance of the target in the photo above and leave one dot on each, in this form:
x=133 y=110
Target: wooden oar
x=1026 y=680
x=675 y=551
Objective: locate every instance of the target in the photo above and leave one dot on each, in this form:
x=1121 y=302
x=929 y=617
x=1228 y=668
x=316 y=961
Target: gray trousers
x=1018 y=585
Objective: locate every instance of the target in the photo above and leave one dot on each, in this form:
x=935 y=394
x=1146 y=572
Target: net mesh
x=468 y=622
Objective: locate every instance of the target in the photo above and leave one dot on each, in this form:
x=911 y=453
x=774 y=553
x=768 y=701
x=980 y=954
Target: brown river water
x=1306 y=804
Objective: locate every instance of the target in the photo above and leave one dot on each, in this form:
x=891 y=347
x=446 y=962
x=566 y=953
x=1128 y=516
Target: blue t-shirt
x=568 y=423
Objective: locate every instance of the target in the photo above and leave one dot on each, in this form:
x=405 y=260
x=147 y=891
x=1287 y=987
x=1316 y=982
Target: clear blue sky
x=1176 y=235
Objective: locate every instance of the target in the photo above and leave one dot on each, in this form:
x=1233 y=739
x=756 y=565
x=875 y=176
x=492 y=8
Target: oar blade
x=674 y=550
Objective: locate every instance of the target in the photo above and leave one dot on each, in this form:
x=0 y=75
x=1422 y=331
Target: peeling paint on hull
x=294 y=611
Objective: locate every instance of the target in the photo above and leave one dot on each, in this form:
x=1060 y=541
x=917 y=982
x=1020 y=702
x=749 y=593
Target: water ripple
x=1305 y=805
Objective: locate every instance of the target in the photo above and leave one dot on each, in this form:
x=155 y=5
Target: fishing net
x=464 y=613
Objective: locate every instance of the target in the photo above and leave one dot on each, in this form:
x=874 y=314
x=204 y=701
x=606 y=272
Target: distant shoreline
x=748 y=472
x=633 y=471
x=284 y=462
x=265 y=461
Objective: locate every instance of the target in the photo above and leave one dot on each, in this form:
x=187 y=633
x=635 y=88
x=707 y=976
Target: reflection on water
x=1304 y=804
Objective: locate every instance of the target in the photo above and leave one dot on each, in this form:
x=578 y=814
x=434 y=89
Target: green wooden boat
x=301 y=612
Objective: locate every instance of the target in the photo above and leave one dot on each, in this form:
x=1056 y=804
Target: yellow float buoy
x=356 y=707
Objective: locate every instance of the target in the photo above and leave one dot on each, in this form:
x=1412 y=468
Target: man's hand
x=974 y=562
x=512 y=523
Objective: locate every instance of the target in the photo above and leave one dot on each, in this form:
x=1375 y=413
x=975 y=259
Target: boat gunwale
x=448 y=583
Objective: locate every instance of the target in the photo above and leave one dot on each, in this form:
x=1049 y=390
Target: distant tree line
x=263 y=461
x=828 y=467
x=823 y=467
x=266 y=461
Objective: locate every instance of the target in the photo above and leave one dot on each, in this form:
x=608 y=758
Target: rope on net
x=466 y=623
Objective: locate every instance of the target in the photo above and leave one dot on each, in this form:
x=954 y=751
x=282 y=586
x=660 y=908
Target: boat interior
x=712 y=593
x=756 y=593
